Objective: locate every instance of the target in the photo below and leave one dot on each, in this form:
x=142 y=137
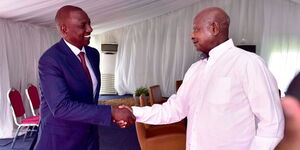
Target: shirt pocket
x=219 y=91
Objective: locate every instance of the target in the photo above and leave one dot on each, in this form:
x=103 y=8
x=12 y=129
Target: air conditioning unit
x=109 y=48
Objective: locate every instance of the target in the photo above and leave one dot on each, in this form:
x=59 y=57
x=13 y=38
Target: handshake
x=123 y=116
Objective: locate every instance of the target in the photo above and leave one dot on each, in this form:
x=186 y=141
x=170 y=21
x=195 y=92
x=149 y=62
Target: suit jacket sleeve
x=57 y=96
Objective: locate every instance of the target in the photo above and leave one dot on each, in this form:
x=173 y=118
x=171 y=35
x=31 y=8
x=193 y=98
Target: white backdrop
x=105 y=14
x=21 y=46
x=281 y=40
x=159 y=50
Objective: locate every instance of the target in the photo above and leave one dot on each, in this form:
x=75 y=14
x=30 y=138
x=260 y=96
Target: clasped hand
x=123 y=116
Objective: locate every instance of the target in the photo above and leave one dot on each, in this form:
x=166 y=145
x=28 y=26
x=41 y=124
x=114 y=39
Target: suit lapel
x=74 y=64
x=92 y=61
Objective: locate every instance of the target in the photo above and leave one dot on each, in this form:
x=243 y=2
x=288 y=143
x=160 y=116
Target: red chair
x=19 y=115
x=33 y=98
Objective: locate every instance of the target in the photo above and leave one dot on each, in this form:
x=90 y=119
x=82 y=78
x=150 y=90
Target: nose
x=192 y=36
x=89 y=29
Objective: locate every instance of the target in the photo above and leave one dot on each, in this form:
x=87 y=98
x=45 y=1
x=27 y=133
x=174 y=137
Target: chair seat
x=165 y=130
x=31 y=120
x=161 y=137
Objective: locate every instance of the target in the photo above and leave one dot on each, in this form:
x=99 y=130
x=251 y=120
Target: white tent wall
x=21 y=46
x=155 y=51
x=281 y=40
x=159 y=50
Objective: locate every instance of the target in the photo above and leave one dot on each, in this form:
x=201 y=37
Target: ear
x=215 y=28
x=63 y=29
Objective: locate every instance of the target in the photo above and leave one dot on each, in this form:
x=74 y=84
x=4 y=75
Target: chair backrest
x=178 y=84
x=155 y=94
x=16 y=103
x=34 y=98
x=142 y=100
x=141 y=127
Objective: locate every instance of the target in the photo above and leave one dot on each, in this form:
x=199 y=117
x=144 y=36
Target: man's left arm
x=261 y=89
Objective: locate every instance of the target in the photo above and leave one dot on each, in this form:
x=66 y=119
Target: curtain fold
x=159 y=50
x=21 y=46
x=6 y=121
x=281 y=40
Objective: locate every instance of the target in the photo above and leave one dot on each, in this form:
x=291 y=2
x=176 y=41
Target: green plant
x=142 y=90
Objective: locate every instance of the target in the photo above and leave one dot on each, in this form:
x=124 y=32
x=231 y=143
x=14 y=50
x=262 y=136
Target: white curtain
x=159 y=50
x=281 y=40
x=21 y=46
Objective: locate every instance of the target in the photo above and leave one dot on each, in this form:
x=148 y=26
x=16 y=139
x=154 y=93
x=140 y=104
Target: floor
x=113 y=96
x=110 y=137
x=5 y=144
x=115 y=138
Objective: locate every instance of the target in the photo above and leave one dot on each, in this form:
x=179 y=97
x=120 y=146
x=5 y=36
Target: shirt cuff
x=137 y=112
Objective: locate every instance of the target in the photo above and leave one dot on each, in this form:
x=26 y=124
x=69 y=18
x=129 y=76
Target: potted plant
x=138 y=92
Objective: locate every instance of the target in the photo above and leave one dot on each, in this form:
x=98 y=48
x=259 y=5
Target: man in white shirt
x=230 y=99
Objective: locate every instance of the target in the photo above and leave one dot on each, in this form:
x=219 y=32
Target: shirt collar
x=74 y=49
x=217 y=51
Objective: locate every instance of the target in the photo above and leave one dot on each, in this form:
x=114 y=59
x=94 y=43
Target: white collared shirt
x=231 y=101
x=76 y=51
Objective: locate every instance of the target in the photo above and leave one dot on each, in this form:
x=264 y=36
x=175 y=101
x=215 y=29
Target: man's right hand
x=122 y=116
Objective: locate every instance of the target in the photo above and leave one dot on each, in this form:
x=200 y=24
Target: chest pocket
x=219 y=91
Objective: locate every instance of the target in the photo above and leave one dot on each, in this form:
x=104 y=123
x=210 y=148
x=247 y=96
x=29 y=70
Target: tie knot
x=81 y=54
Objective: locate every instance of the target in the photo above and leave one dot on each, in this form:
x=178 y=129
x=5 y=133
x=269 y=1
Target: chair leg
x=26 y=133
x=13 y=143
x=32 y=130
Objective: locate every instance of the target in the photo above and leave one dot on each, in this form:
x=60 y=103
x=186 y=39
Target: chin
x=203 y=50
x=199 y=49
x=86 y=43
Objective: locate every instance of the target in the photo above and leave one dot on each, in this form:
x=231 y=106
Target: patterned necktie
x=85 y=68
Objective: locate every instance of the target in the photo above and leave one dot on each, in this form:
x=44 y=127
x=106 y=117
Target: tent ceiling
x=104 y=14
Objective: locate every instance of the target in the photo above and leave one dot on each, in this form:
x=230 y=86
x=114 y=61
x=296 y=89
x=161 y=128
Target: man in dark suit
x=70 y=82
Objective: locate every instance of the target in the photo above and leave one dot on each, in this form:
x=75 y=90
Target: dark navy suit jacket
x=69 y=111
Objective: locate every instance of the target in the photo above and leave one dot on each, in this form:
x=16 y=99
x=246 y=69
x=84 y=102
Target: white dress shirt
x=76 y=51
x=231 y=101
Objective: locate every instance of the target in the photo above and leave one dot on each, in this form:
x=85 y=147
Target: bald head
x=64 y=12
x=213 y=25
x=214 y=15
